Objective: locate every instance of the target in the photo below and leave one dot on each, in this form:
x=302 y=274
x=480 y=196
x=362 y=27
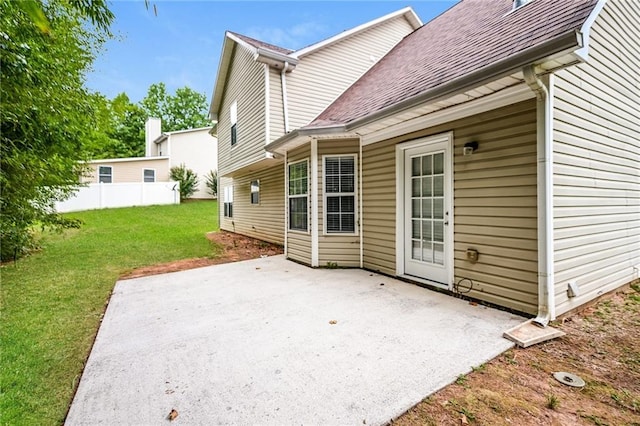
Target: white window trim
x=308 y=195
x=356 y=218
x=233 y=119
x=154 y=175
x=251 y=192
x=100 y=174
x=228 y=198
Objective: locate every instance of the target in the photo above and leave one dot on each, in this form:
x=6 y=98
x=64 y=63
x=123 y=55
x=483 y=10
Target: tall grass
x=53 y=300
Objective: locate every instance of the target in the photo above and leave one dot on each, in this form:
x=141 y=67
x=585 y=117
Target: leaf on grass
x=173 y=414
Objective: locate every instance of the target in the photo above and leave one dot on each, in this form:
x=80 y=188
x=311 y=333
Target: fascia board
x=221 y=79
x=277 y=145
x=585 y=30
x=408 y=12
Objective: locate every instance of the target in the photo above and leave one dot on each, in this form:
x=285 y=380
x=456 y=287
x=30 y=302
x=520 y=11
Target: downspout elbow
x=535 y=84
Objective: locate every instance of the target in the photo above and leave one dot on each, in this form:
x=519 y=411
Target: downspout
x=314 y=203
x=286 y=203
x=360 y=213
x=285 y=108
x=267 y=107
x=544 y=122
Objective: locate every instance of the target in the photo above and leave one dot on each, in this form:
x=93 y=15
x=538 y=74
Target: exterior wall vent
x=519 y=3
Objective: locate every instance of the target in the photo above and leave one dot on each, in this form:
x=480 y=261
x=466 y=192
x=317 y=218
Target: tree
x=46 y=47
x=212 y=182
x=187 y=178
x=118 y=130
x=128 y=127
x=187 y=109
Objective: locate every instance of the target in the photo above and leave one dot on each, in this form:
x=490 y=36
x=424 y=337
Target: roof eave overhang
x=221 y=76
x=559 y=46
x=275 y=59
x=261 y=164
x=585 y=31
x=266 y=56
x=299 y=137
x=163 y=137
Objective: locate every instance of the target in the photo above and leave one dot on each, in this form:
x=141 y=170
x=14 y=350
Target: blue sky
x=181 y=45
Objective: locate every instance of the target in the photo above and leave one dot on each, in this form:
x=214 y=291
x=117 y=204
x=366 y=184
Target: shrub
x=187 y=178
x=212 y=182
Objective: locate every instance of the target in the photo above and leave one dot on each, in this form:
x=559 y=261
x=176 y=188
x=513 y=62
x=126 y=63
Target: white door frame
x=400 y=205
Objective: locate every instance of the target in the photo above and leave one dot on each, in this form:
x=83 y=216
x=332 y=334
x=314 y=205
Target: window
x=149 y=175
x=105 y=174
x=228 y=201
x=233 y=113
x=255 y=192
x=340 y=194
x=298 y=188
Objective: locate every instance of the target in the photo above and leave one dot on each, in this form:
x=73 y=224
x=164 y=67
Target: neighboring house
x=195 y=148
x=123 y=182
x=263 y=91
x=134 y=181
x=493 y=152
x=123 y=170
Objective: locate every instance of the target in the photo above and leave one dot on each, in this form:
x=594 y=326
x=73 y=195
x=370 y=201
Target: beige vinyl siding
x=264 y=221
x=494 y=204
x=323 y=75
x=378 y=216
x=299 y=242
x=130 y=171
x=344 y=250
x=246 y=86
x=597 y=161
x=276 y=112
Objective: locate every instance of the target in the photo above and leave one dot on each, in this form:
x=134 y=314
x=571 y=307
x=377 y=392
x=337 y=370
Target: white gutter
x=544 y=120
x=285 y=108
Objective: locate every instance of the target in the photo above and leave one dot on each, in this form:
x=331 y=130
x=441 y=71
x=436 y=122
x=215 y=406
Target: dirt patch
x=228 y=247
x=602 y=346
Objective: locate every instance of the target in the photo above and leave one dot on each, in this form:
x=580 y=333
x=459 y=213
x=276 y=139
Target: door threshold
x=422 y=281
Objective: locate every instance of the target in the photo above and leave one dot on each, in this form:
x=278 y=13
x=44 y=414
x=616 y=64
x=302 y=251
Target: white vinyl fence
x=106 y=195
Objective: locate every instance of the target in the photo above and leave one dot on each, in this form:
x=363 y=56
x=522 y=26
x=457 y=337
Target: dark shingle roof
x=471 y=35
x=261 y=44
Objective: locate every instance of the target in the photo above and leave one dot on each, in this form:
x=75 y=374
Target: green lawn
x=52 y=301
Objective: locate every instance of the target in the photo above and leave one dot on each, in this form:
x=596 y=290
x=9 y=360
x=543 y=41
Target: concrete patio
x=269 y=341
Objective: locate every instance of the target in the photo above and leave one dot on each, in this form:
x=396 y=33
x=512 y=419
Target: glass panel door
x=427 y=208
x=428 y=250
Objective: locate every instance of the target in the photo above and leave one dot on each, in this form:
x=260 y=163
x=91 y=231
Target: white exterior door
x=426 y=210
